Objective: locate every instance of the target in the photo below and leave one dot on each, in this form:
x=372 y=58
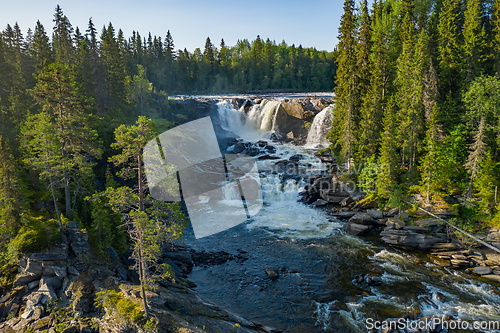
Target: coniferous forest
x=416 y=123
x=418 y=99
x=64 y=92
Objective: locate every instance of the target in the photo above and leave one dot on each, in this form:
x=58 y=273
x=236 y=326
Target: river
x=317 y=260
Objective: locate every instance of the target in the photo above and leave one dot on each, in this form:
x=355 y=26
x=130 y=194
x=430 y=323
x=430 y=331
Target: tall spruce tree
x=62 y=41
x=65 y=106
x=474 y=41
x=363 y=68
x=343 y=136
x=450 y=59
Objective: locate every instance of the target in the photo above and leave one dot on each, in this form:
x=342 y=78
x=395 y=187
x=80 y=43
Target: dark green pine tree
x=115 y=75
x=411 y=66
x=388 y=160
x=97 y=68
x=450 y=60
x=62 y=41
x=12 y=203
x=430 y=162
x=170 y=57
x=474 y=41
x=363 y=68
x=40 y=49
x=64 y=119
x=495 y=43
x=343 y=135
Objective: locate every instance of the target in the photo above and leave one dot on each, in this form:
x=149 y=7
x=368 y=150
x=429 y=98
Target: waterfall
x=269 y=110
x=320 y=128
x=260 y=119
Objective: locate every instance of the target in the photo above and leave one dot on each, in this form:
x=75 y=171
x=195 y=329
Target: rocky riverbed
x=55 y=291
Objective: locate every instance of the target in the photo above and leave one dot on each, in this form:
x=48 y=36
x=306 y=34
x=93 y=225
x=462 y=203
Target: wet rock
x=362 y=218
x=342 y=215
x=442 y=262
x=357 y=229
x=270 y=149
x=262 y=143
x=376 y=214
x=202 y=258
x=296 y=157
x=460 y=263
x=272 y=274
x=319 y=203
x=367 y=280
x=408 y=240
x=445 y=247
x=247 y=105
x=268 y=157
x=492 y=277
x=237 y=102
x=440 y=297
x=239 y=147
x=252 y=151
x=481 y=270
x=275 y=137
x=393 y=223
x=392 y=212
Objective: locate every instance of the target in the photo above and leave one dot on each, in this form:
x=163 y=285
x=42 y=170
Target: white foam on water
x=321 y=125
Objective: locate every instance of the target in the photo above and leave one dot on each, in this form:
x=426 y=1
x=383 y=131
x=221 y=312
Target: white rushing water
x=320 y=127
x=281 y=213
x=259 y=121
x=283 y=216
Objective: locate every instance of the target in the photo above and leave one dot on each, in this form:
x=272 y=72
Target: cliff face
x=57 y=291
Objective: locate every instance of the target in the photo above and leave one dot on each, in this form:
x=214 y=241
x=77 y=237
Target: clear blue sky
x=312 y=23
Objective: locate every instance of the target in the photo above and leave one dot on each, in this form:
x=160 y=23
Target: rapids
x=316 y=259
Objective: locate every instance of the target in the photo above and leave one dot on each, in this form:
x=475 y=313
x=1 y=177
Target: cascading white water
x=320 y=128
x=407 y=284
x=260 y=119
x=269 y=109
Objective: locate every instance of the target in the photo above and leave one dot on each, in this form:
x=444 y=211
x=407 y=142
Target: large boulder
x=357 y=229
x=375 y=213
x=393 y=223
x=53 y=254
x=363 y=218
x=429 y=223
x=408 y=240
x=33 y=267
x=295 y=109
x=24 y=279
x=285 y=123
